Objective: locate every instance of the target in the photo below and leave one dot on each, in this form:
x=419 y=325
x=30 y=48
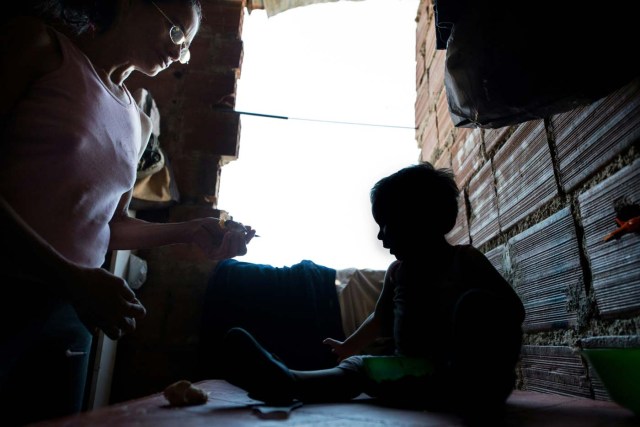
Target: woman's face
x=154 y=50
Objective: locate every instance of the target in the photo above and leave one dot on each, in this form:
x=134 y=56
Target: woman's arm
x=214 y=240
x=101 y=299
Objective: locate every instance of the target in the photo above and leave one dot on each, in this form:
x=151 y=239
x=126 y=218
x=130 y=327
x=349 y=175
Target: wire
x=272 y=116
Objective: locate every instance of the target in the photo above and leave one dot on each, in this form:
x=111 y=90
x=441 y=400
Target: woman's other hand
x=105 y=301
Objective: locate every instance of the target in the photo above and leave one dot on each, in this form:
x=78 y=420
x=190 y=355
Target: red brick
x=223 y=17
x=587 y=138
x=436 y=73
x=211 y=131
x=445 y=124
x=525 y=178
x=483 y=218
x=545 y=260
x=422 y=104
x=421 y=70
x=494 y=137
x=615 y=264
x=465 y=154
x=429 y=140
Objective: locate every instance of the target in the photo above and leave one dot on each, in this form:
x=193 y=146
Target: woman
x=71 y=139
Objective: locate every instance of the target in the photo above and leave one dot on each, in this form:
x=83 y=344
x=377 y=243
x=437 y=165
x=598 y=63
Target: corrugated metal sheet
x=524 y=173
x=615 y=265
x=588 y=138
x=545 y=261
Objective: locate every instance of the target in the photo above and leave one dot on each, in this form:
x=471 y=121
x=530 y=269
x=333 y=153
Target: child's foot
x=249 y=366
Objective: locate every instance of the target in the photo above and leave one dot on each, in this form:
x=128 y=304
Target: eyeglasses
x=178 y=37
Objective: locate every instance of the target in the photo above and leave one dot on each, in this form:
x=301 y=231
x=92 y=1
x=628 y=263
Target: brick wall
x=539 y=197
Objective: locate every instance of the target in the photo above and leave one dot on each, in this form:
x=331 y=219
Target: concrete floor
x=229 y=406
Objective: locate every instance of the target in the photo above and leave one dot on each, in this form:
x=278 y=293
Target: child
x=455 y=322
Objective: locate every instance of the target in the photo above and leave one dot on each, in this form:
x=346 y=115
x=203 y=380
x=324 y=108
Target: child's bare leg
x=328 y=385
x=249 y=366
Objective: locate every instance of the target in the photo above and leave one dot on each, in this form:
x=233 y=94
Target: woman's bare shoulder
x=31 y=45
x=29 y=50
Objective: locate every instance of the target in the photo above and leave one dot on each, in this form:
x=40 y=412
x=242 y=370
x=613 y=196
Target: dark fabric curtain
x=289 y=310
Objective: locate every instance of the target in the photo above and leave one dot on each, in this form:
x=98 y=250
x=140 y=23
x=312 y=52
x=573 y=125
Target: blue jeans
x=44 y=357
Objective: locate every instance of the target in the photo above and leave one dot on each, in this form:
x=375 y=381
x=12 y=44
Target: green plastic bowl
x=619 y=371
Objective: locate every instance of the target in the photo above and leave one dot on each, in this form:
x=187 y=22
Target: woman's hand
x=105 y=301
x=218 y=241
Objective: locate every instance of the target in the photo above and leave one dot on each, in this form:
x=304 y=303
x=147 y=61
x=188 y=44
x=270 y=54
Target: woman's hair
x=419 y=193
x=80 y=16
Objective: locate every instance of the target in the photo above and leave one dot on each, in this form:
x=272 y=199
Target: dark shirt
x=426 y=296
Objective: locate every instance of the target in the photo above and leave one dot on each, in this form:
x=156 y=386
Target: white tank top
x=69 y=154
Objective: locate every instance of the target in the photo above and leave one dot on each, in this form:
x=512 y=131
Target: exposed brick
x=459 y=235
x=445 y=124
x=203 y=89
x=524 y=173
x=496 y=257
x=429 y=138
x=545 y=262
x=493 y=137
x=483 y=218
x=554 y=369
x=227 y=53
x=588 y=138
x=615 y=265
x=430 y=43
x=211 y=131
x=421 y=69
x=435 y=72
x=465 y=154
x=444 y=158
x=422 y=104
x=223 y=17
x=198 y=173
x=422 y=30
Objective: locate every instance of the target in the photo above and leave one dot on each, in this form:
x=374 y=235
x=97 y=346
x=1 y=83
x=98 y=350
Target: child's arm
x=378 y=324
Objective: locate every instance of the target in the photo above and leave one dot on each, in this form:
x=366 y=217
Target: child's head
x=414 y=205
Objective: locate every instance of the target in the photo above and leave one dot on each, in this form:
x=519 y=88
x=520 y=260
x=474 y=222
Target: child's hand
x=338 y=348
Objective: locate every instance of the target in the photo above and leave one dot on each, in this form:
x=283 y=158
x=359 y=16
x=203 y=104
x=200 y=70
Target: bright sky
x=304 y=184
